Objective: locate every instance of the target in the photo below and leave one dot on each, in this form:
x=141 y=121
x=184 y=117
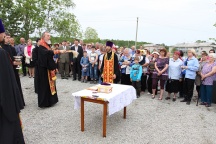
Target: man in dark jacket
x=75 y=61
x=10 y=100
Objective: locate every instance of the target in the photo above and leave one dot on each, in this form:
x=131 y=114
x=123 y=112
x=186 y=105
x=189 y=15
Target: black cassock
x=12 y=52
x=116 y=66
x=45 y=63
x=10 y=103
x=35 y=60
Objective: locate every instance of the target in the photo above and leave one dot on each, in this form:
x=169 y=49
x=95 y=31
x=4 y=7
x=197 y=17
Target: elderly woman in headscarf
x=174 y=73
x=191 y=66
x=125 y=64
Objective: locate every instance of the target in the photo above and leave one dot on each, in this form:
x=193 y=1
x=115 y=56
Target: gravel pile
x=148 y=121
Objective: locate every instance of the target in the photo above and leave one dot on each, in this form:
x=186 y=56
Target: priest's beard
x=109 y=51
x=48 y=42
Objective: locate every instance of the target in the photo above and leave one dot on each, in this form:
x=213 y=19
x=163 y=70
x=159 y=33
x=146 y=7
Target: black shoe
x=184 y=100
x=95 y=82
x=79 y=79
x=62 y=77
x=188 y=103
x=208 y=105
x=202 y=103
x=91 y=82
x=85 y=81
x=66 y=78
x=82 y=81
x=167 y=98
x=174 y=99
x=74 y=79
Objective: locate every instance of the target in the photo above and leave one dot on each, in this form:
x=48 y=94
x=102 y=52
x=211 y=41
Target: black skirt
x=172 y=86
x=31 y=65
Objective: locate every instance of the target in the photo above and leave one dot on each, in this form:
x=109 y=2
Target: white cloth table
x=120 y=97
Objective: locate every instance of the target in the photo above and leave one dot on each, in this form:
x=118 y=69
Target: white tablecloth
x=120 y=97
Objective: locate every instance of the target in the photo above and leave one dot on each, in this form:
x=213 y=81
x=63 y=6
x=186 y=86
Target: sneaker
x=82 y=81
x=149 y=93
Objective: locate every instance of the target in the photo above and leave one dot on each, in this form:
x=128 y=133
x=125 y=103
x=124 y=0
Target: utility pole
x=136 y=32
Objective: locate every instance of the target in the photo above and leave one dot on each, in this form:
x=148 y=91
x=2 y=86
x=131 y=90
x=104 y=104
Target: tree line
x=25 y=17
x=29 y=18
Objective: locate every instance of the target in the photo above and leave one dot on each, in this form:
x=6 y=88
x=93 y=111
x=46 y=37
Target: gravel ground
x=148 y=121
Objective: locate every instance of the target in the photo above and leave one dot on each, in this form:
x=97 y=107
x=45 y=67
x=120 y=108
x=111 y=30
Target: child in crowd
x=135 y=75
x=100 y=60
x=93 y=58
x=85 y=67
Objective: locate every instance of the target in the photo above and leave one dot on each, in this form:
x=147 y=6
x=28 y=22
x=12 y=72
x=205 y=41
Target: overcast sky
x=160 y=21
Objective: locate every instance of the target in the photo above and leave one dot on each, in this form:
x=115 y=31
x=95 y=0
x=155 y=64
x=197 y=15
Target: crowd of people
x=147 y=72
x=150 y=72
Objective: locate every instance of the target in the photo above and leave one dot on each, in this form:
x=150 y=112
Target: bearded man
x=47 y=94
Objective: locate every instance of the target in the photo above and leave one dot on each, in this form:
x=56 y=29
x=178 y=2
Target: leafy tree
x=200 y=41
x=25 y=17
x=173 y=50
x=67 y=26
x=11 y=16
x=91 y=34
x=32 y=16
x=166 y=47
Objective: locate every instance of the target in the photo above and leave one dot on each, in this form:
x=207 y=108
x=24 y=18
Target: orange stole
x=108 y=71
x=52 y=78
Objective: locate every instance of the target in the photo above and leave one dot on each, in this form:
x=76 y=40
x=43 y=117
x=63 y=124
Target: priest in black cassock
x=12 y=52
x=47 y=93
x=35 y=60
x=110 y=67
x=10 y=100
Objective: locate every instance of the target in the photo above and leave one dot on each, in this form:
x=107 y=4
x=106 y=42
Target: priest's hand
x=17 y=63
x=114 y=76
x=62 y=51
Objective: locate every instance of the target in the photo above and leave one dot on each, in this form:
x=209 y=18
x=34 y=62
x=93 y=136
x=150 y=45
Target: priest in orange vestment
x=110 y=67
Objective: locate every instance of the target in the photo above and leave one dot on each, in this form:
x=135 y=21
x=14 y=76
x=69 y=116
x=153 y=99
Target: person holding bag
x=28 y=54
